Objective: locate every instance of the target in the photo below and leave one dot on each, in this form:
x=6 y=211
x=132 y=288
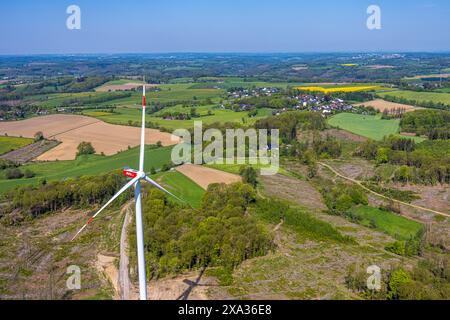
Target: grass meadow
x=436 y=97
x=8 y=144
x=396 y=226
x=182 y=187
x=372 y=127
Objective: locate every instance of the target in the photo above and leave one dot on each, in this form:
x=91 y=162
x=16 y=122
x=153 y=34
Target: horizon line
x=225 y=52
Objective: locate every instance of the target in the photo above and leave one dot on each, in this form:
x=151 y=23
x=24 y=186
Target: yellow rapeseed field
x=338 y=89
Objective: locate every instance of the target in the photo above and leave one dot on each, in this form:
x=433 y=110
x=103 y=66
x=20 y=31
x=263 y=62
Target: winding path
x=380 y=195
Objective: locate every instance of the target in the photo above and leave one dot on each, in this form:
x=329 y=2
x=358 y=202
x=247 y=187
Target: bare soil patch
x=343 y=135
x=106 y=265
x=307 y=136
x=34 y=258
x=380 y=66
x=382 y=105
x=73 y=129
x=188 y=286
x=433 y=197
x=294 y=190
x=355 y=169
x=204 y=176
x=300 y=68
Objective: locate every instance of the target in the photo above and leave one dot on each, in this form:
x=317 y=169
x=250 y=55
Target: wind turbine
x=136 y=177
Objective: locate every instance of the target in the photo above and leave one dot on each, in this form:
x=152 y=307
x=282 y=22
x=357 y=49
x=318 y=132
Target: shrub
x=38 y=136
x=29 y=174
x=248 y=175
x=397 y=279
x=85 y=148
x=13 y=174
x=5 y=164
x=397 y=247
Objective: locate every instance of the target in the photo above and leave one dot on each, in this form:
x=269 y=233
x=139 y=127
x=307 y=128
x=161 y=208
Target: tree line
x=418 y=103
x=433 y=123
x=291 y=123
x=31 y=201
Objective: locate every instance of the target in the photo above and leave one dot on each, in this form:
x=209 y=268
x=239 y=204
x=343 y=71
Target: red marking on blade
x=90 y=220
x=143 y=101
x=130 y=174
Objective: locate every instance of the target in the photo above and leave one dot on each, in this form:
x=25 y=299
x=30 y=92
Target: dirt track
x=124 y=278
x=73 y=129
x=204 y=176
x=382 y=196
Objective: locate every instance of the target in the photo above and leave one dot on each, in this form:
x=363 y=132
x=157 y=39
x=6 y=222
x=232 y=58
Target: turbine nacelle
x=131 y=173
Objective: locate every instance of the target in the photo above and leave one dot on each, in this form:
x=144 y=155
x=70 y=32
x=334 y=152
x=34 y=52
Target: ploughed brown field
x=380 y=66
x=382 y=105
x=204 y=176
x=122 y=87
x=73 y=129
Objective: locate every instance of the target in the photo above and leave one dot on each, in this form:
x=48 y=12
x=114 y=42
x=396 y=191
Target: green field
x=443 y=90
x=367 y=126
x=232 y=82
x=388 y=222
x=419 y=96
x=372 y=127
x=235 y=168
x=122 y=81
x=8 y=144
x=126 y=114
x=58 y=99
x=89 y=165
x=182 y=187
x=170 y=92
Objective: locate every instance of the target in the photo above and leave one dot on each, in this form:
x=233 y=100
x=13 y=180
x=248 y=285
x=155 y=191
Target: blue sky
x=131 y=26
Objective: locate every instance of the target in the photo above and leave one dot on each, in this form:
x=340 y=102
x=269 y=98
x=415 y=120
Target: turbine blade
x=153 y=182
x=142 y=148
x=124 y=188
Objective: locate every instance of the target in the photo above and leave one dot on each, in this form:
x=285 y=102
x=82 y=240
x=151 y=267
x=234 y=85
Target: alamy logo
x=73 y=22
x=374 y=20
x=74 y=281
x=262 y=148
x=374 y=280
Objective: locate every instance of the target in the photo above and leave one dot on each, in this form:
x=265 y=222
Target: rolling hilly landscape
x=363 y=180
x=235 y=153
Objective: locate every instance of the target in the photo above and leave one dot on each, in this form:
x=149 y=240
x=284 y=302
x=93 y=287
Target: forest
x=433 y=123
x=53 y=85
x=29 y=202
x=291 y=123
x=415 y=164
x=220 y=233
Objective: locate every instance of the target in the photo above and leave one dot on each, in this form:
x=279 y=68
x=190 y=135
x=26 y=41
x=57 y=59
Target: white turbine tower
x=136 y=177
